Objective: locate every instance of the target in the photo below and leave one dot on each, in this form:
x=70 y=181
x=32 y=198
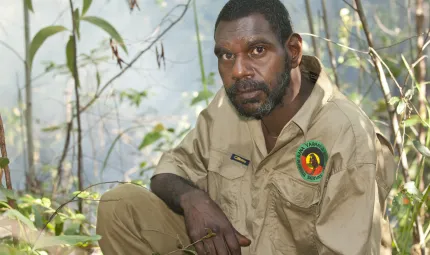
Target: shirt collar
x=323 y=90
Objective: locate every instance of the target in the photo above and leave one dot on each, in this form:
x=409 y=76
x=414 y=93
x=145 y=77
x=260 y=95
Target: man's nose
x=242 y=68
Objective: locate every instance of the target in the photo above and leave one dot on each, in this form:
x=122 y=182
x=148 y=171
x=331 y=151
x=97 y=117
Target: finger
x=232 y=244
x=209 y=247
x=200 y=249
x=220 y=245
x=243 y=241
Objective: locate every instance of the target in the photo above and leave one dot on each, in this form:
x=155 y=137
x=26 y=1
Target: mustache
x=248 y=85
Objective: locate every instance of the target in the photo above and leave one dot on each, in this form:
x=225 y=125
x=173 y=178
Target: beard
x=274 y=97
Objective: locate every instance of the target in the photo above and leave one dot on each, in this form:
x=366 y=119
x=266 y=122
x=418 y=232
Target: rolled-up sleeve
x=349 y=219
x=190 y=158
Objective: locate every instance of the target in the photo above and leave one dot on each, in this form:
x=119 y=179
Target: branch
x=330 y=49
x=350 y=5
x=12 y=49
x=136 y=57
x=78 y=113
x=11 y=202
x=311 y=28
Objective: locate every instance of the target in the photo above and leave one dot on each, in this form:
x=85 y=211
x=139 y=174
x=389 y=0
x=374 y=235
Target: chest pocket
x=225 y=176
x=294 y=211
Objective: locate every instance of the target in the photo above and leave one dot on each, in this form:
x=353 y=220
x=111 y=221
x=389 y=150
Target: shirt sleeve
x=190 y=158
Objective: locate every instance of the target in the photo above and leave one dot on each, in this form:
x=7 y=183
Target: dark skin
x=246 y=48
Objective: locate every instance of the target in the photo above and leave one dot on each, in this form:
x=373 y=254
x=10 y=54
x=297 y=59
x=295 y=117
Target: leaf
x=211 y=79
x=421 y=148
x=29 y=5
x=12 y=213
x=4 y=162
x=413 y=120
x=409 y=94
x=103 y=24
x=70 y=54
x=203 y=95
x=149 y=139
x=86 y=6
x=40 y=38
x=9 y=193
x=77 y=22
x=393 y=100
x=411 y=188
x=401 y=107
x=52 y=128
x=159 y=127
x=48 y=241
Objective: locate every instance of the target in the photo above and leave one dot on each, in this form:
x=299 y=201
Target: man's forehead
x=251 y=26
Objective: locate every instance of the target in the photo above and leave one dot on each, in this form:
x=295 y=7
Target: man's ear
x=294 y=49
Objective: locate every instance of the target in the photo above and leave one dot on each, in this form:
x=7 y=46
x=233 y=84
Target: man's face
x=254 y=66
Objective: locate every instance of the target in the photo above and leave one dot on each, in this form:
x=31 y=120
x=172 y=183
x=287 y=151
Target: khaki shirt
x=321 y=190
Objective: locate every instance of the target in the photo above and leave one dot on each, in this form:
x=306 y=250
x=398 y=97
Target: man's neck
x=296 y=95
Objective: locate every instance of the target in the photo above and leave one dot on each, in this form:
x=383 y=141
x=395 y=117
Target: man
x=280 y=162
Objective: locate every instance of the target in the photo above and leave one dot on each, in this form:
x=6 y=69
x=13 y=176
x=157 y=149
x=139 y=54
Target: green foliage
x=203 y=95
x=135 y=97
x=86 y=6
x=70 y=53
x=108 y=28
x=29 y=5
x=40 y=38
x=4 y=162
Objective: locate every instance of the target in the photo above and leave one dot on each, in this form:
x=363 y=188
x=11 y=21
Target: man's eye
x=258 y=50
x=227 y=56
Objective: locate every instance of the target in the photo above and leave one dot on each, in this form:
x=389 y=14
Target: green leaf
x=103 y=24
x=401 y=107
x=393 y=100
x=421 y=148
x=70 y=54
x=413 y=120
x=73 y=229
x=211 y=79
x=409 y=94
x=149 y=139
x=12 y=213
x=77 y=22
x=48 y=241
x=40 y=38
x=29 y=5
x=4 y=162
x=203 y=95
x=52 y=128
x=86 y=6
x=9 y=193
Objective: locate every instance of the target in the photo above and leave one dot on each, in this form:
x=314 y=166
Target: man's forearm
x=171 y=189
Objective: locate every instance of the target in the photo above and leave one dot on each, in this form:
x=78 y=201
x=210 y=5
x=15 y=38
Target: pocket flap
x=300 y=194
x=227 y=165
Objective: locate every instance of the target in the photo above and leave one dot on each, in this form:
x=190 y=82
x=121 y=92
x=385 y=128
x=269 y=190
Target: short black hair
x=274 y=11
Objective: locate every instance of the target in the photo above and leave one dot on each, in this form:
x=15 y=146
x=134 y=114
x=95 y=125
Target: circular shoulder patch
x=311 y=159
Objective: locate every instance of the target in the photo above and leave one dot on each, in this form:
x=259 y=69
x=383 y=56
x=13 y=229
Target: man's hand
x=202 y=213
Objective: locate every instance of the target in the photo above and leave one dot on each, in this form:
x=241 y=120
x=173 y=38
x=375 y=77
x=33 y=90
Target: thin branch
x=350 y=5
x=80 y=167
x=57 y=183
x=136 y=57
x=311 y=28
x=12 y=49
x=341 y=45
x=330 y=49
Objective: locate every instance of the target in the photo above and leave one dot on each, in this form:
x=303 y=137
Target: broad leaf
x=70 y=54
x=149 y=139
x=413 y=120
x=48 y=241
x=9 y=193
x=86 y=6
x=103 y=24
x=40 y=38
x=202 y=96
x=4 y=162
x=421 y=148
x=29 y=5
x=12 y=213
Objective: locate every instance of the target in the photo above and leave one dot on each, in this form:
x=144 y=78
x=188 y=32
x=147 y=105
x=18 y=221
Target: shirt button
x=288 y=204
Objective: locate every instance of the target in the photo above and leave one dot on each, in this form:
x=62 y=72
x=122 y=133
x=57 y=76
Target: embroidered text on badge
x=239 y=159
x=311 y=159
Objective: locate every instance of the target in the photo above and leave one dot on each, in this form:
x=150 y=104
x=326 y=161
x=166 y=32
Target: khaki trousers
x=132 y=220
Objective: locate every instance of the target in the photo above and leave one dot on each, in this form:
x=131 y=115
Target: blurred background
x=129 y=114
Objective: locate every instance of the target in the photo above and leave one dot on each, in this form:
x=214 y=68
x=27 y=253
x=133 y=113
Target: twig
x=350 y=5
x=311 y=28
x=136 y=57
x=12 y=49
x=63 y=157
x=330 y=49
x=78 y=113
x=341 y=45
